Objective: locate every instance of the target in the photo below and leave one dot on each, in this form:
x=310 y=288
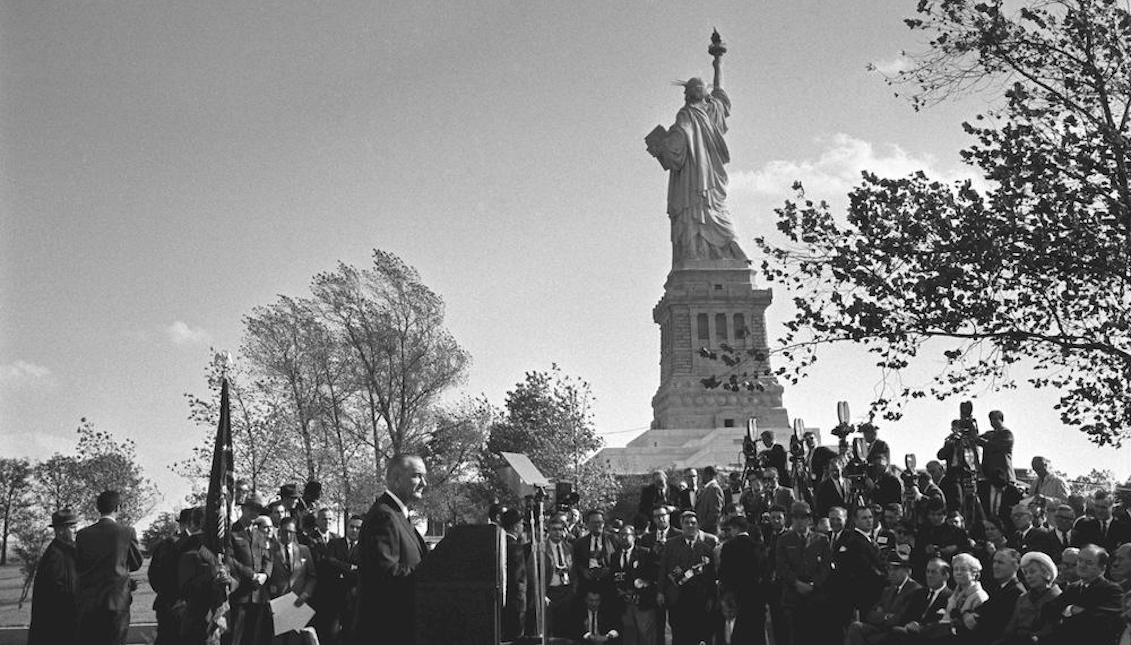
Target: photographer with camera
x=872 y=446
x=773 y=454
x=960 y=454
x=997 y=449
x=879 y=485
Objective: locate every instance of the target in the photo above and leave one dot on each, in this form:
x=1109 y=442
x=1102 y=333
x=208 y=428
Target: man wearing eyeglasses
x=292 y=570
x=651 y=545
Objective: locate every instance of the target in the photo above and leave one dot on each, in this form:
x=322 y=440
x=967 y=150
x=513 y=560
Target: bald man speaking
x=389 y=551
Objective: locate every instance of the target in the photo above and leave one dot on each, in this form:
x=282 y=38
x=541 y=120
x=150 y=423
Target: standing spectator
x=164 y=558
x=292 y=570
x=573 y=525
x=858 y=572
x=709 y=505
x=997 y=496
x=833 y=490
x=651 y=495
x=1066 y=572
x=873 y=447
x=653 y=545
x=337 y=585
x=1091 y=606
x=689 y=491
x=54 y=616
x=105 y=554
x=687 y=582
x=559 y=583
x=634 y=574
x=1027 y=537
x=591 y=554
x=773 y=454
x=741 y=564
x=514 y=610
x=389 y=552
x=803 y=560
x=1102 y=529
x=203 y=583
x=880 y=486
x=1047 y=484
x=997 y=450
x=751 y=498
x=250 y=565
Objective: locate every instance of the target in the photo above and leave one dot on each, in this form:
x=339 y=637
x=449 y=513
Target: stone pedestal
x=706 y=307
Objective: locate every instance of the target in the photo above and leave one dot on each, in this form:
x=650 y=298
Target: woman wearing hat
x=54 y=617
x=1027 y=623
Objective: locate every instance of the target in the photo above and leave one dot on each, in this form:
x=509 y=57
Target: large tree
x=1036 y=267
x=15 y=478
x=549 y=417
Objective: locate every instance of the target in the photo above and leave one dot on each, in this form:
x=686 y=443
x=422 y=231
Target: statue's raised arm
x=695 y=154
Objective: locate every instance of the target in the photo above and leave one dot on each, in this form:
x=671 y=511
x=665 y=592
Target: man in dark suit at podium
x=389 y=552
x=105 y=554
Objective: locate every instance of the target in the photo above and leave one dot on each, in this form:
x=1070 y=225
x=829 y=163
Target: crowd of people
x=960 y=553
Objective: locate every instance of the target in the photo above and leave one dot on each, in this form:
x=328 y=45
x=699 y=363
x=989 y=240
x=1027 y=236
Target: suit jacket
x=247 y=561
x=819 y=460
x=933 y=612
x=753 y=506
x=805 y=558
x=828 y=496
x=582 y=554
x=640 y=566
x=744 y=632
x=997 y=610
x=1057 y=544
x=197 y=569
x=997 y=453
x=514 y=609
x=650 y=495
x=389 y=551
x=1037 y=538
x=709 y=507
x=337 y=578
x=775 y=456
x=885 y=489
x=653 y=546
x=300 y=577
x=1100 y=618
x=700 y=588
x=858 y=574
x=550 y=563
x=1010 y=497
x=105 y=554
x=1089 y=531
x=54 y=615
x=897 y=605
x=742 y=566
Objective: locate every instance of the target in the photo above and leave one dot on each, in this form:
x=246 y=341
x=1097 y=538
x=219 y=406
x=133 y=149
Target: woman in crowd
x=989 y=538
x=967 y=597
x=1029 y=621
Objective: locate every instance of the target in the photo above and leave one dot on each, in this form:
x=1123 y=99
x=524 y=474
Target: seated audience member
x=1089 y=607
x=1103 y=528
x=1061 y=532
x=596 y=623
x=960 y=618
x=1066 y=568
x=1027 y=537
x=989 y=541
x=1004 y=590
x=1030 y=621
x=900 y=602
x=1125 y=618
x=933 y=600
x=1121 y=567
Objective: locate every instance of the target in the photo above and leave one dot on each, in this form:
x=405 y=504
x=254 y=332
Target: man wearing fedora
x=54 y=619
x=105 y=554
x=251 y=567
x=162 y=574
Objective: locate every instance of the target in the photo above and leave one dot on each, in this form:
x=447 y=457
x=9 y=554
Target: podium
x=460 y=587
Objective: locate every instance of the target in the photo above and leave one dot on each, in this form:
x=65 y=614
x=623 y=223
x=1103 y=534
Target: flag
x=218 y=511
x=221 y=481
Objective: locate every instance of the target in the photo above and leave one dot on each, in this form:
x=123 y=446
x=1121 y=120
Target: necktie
x=287 y=551
x=559 y=559
x=1104 y=530
x=931 y=602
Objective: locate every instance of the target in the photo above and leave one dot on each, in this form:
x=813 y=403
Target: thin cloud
x=837 y=169
x=180 y=333
x=892 y=67
x=23 y=371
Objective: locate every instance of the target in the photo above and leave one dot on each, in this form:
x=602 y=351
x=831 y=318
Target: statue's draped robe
x=695 y=154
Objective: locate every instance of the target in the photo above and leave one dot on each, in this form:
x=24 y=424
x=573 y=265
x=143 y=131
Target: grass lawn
x=11 y=582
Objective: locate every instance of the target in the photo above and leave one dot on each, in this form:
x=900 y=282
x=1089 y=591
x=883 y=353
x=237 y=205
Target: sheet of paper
x=287 y=617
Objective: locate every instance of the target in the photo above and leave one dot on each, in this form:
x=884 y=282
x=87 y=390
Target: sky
x=168 y=166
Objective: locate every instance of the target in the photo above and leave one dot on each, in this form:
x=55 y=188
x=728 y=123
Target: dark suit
x=251 y=623
x=896 y=606
x=1037 y=538
x=819 y=460
x=162 y=575
x=198 y=590
x=775 y=456
x=638 y=619
x=591 y=567
x=299 y=575
x=1010 y=497
x=930 y=612
x=652 y=544
x=858 y=574
x=514 y=611
x=105 y=554
x=709 y=507
x=829 y=495
x=742 y=566
x=606 y=620
x=689 y=600
x=650 y=496
x=744 y=631
x=994 y=614
x=1089 y=531
x=1058 y=542
x=54 y=616
x=337 y=589
x=997 y=454
x=1099 y=620
x=389 y=551
x=878 y=447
